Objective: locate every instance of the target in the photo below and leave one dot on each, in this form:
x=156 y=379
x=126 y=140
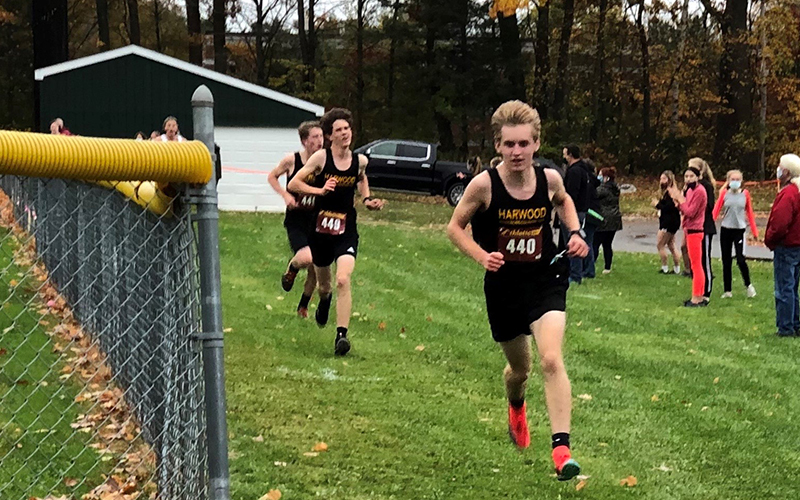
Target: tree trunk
x=675 y=91
x=762 y=90
x=134 y=32
x=157 y=24
x=512 y=54
x=102 y=24
x=465 y=70
x=542 y=68
x=360 y=70
x=644 y=45
x=220 y=52
x=392 y=52
x=258 y=27
x=312 y=44
x=735 y=81
x=600 y=83
x=443 y=126
x=562 y=69
x=195 y=38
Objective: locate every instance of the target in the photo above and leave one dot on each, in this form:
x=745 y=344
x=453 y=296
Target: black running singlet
x=304 y=201
x=336 y=213
x=519 y=229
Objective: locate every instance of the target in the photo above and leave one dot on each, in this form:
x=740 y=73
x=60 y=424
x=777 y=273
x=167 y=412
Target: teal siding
x=119 y=97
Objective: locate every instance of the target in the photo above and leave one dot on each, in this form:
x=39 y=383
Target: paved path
x=639 y=235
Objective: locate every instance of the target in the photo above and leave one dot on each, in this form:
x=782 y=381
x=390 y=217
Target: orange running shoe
x=518 y=426
x=566 y=466
x=287 y=280
x=302 y=311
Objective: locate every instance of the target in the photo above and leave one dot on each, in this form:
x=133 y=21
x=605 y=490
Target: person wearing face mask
x=669 y=221
x=692 y=206
x=783 y=238
x=708 y=182
x=734 y=203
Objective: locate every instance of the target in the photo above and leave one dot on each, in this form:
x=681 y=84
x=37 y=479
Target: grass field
x=693 y=403
x=39 y=449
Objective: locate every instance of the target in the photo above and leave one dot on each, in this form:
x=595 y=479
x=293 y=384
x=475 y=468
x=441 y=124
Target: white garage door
x=248 y=154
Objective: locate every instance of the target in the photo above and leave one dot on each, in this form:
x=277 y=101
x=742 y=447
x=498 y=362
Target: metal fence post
x=207 y=218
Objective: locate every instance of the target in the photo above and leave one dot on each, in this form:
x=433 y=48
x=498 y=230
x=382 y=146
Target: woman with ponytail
x=692 y=206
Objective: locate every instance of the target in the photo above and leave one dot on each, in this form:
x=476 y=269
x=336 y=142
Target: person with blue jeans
x=576 y=182
x=783 y=238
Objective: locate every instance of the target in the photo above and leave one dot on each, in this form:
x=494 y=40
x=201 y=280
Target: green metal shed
x=130 y=89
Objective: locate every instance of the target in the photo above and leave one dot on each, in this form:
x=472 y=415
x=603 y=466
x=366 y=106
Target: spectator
x=139 y=136
x=155 y=135
x=57 y=127
x=693 y=208
x=576 y=182
x=669 y=221
x=592 y=217
x=783 y=238
x=709 y=227
x=608 y=200
x=171 y=132
x=734 y=203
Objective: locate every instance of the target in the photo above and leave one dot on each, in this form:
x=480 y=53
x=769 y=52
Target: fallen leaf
x=310 y=454
x=692 y=351
x=3 y=351
x=279 y=464
x=13 y=282
x=269 y=307
x=6 y=330
x=420 y=348
x=382 y=325
x=704 y=408
x=716 y=380
x=629 y=481
x=272 y=495
x=663 y=468
x=402 y=335
x=70 y=483
x=495 y=470
x=597 y=329
x=429 y=318
x=617 y=377
x=258 y=439
x=402 y=329
x=279 y=297
x=227 y=330
x=579 y=323
x=581 y=485
x=320 y=447
x=655 y=398
x=585 y=397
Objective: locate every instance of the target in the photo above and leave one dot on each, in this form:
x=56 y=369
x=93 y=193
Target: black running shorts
x=298 y=227
x=325 y=249
x=513 y=305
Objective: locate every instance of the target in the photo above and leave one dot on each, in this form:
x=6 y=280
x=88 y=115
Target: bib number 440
x=522 y=246
x=332 y=223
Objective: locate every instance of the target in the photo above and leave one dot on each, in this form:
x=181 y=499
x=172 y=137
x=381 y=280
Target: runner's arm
x=565 y=208
x=275 y=174
x=476 y=197
x=363 y=186
x=313 y=167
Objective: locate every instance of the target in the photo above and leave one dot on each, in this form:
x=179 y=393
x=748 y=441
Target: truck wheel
x=454 y=193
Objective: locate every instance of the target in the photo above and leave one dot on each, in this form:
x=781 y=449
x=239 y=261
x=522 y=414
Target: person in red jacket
x=783 y=238
x=693 y=207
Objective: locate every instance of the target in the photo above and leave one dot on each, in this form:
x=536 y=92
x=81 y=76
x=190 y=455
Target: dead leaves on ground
x=629 y=481
x=272 y=495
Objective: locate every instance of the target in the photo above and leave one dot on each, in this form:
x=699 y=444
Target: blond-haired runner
x=337 y=173
x=299 y=212
x=510 y=208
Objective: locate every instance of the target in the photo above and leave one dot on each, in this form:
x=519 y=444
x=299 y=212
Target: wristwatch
x=579 y=232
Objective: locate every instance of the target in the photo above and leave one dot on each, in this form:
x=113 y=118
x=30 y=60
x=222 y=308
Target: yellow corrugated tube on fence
x=95 y=159
x=134 y=168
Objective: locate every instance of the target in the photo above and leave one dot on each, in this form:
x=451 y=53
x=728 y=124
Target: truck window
x=412 y=151
x=384 y=149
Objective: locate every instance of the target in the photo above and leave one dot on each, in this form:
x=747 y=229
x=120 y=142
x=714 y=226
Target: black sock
x=325 y=299
x=560 y=439
x=517 y=403
x=293 y=269
x=304 y=300
x=341 y=332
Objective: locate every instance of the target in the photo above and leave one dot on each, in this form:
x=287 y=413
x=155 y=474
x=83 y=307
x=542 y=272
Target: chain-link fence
x=101 y=381
x=111 y=371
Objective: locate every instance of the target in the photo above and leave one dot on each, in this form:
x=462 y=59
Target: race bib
x=520 y=245
x=306 y=202
x=332 y=223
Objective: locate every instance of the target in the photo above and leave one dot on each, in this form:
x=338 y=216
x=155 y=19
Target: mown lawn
x=696 y=403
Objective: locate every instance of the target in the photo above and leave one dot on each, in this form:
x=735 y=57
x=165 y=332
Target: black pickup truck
x=412 y=166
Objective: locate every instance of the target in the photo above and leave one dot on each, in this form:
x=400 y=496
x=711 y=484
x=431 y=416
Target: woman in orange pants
x=692 y=206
